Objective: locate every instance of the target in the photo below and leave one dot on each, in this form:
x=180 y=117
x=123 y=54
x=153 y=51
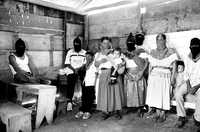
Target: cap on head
x=139 y=38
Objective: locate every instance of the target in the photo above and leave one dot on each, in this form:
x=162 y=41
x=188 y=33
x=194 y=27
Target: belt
x=162 y=67
x=104 y=68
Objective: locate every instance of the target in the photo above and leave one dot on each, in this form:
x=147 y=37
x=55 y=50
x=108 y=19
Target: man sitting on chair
x=22 y=67
x=193 y=84
x=74 y=69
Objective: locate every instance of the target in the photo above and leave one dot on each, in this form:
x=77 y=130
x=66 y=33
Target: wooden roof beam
x=54 y=6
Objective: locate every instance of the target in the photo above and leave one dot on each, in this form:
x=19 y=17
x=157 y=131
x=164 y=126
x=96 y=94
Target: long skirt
x=159 y=89
x=136 y=92
x=110 y=96
x=96 y=89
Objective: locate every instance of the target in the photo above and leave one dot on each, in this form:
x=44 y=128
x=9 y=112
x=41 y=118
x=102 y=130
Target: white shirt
x=193 y=72
x=166 y=62
x=76 y=60
x=117 y=61
x=22 y=64
x=90 y=75
x=181 y=79
x=130 y=63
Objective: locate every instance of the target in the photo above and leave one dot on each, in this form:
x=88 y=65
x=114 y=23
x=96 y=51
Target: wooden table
x=46 y=100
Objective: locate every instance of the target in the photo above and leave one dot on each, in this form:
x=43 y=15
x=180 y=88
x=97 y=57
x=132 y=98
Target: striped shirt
x=75 y=59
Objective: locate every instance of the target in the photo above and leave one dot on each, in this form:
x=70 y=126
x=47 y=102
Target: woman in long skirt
x=134 y=81
x=159 y=82
x=110 y=97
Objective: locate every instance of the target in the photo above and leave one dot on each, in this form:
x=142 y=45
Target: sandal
x=86 y=115
x=156 y=117
x=79 y=114
x=162 y=118
x=105 y=116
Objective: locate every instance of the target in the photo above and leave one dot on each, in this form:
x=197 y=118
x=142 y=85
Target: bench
x=45 y=101
x=15 y=117
x=188 y=103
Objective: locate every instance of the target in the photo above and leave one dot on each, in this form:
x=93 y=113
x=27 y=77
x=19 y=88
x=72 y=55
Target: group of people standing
x=135 y=78
x=132 y=88
x=132 y=78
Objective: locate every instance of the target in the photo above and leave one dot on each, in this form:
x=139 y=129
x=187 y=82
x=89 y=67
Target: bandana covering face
x=139 y=38
x=20 y=47
x=77 y=44
x=130 y=46
x=77 y=47
x=130 y=43
x=195 y=47
x=195 y=52
x=20 y=52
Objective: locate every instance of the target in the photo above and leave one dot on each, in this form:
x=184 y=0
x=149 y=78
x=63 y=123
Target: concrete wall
x=181 y=15
x=161 y=16
x=113 y=23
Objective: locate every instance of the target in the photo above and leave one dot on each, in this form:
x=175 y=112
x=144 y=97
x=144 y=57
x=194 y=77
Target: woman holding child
x=110 y=94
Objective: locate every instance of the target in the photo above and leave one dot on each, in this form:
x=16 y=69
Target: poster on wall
x=73 y=30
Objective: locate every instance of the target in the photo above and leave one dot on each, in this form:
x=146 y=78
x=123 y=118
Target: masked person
x=192 y=79
x=21 y=66
x=75 y=63
x=134 y=81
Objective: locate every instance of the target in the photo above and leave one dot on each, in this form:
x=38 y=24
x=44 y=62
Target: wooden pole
x=65 y=37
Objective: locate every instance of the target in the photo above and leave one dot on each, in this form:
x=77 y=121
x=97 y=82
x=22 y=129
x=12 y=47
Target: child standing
x=88 y=88
x=180 y=90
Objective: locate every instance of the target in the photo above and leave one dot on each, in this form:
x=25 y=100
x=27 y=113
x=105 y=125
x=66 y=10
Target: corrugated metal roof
x=89 y=5
x=86 y=6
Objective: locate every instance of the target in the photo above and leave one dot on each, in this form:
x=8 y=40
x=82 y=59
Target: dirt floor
x=129 y=123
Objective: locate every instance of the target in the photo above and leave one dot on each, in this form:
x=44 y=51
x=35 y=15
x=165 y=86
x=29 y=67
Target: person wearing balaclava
x=130 y=43
x=74 y=63
x=21 y=66
x=193 y=81
x=139 y=39
x=135 y=83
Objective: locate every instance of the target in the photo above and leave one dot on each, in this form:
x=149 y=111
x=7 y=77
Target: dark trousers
x=88 y=97
x=67 y=88
x=71 y=82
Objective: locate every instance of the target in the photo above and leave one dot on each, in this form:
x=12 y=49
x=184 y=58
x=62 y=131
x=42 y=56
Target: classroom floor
x=129 y=123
